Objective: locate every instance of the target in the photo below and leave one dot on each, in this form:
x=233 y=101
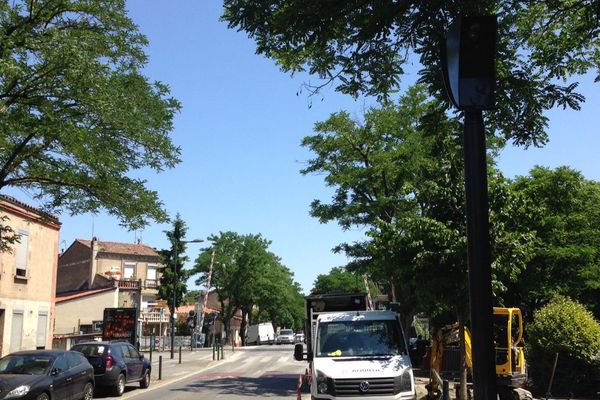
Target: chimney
x=94 y=252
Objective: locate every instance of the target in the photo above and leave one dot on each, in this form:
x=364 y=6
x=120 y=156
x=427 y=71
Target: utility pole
x=469 y=66
x=369 y=298
x=205 y=298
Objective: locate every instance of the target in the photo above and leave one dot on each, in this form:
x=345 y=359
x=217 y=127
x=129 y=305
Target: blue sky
x=240 y=130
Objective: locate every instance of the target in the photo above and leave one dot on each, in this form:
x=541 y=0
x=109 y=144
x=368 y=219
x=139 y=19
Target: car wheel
x=88 y=391
x=43 y=396
x=119 y=388
x=145 y=382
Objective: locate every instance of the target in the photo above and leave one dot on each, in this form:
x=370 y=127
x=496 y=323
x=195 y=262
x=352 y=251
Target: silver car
x=286 y=336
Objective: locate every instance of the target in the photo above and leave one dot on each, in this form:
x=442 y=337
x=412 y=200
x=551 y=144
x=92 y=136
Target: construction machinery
x=511 y=370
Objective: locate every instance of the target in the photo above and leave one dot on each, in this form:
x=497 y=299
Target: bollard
x=179 y=354
x=159 y=368
x=213 y=352
x=446 y=390
x=222 y=353
x=150 y=354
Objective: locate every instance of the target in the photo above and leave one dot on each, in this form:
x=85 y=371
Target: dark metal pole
x=478 y=245
x=180 y=354
x=159 y=368
x=174 y=302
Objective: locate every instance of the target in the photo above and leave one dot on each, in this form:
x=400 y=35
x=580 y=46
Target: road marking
x=178 y=379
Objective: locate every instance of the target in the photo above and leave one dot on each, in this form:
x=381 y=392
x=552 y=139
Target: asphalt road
x=253 y=372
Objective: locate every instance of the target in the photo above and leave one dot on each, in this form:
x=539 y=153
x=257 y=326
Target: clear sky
x=240 y=130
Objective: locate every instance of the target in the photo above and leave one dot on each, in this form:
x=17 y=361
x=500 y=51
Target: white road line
x=178 y=379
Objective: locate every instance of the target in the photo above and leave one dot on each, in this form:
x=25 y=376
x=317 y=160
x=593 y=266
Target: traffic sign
x=161 y=304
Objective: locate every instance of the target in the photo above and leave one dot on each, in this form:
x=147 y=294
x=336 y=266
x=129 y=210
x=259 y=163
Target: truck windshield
x=359 y=338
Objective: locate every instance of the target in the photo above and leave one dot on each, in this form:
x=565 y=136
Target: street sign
x=469 y=62
x=161 y=304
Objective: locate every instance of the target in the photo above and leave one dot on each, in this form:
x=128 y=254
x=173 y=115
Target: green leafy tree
x=248 y=277
x=173 y=260
x=74 y=102
x=567 y=328
x=566 y=255
x=364 y=48
x=191 y=297
x=399 y=174
x=338 y=280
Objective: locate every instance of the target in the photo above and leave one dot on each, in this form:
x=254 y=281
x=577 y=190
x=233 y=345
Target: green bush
x=565 y=327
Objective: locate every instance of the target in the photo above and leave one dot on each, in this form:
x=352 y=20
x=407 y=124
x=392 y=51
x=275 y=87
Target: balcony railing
x=150 y=284
x=129 y=284
x=154 y=316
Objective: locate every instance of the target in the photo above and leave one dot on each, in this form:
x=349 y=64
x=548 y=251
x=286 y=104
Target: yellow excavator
x=511 y=369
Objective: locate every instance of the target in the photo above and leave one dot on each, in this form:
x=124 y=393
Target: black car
x=45 y=375
x=116 y=363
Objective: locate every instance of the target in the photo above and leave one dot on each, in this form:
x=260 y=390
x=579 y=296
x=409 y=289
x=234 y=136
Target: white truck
x=261 y=334
x=355 y=353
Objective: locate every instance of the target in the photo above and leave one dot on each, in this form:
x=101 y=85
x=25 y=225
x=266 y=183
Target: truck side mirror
x=298 y=352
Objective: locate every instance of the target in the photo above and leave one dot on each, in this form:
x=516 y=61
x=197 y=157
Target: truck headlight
x=324 y=383
x=406 y=381
x=17 y=392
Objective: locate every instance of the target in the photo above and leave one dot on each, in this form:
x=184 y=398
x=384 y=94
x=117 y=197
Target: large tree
x=399 y=174
x=338 y=279
x=77 y=116
x=249 y=278
x=174 y=277
x=566 y=256
x=363 y=47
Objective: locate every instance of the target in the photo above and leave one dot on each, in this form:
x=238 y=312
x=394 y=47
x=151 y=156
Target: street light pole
x=174 y=308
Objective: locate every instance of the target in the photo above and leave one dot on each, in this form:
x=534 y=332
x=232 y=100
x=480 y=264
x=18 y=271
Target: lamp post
x=174 y=309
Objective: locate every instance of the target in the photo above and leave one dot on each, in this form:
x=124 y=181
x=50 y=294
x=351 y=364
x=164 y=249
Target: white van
x=359 y=355
x=261 y=334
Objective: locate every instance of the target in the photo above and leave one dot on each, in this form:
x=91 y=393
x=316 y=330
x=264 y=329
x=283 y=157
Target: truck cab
x=358 y=354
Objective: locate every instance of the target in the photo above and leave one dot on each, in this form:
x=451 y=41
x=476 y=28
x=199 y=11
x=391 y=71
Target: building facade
x=27 y=278
x=130 y=271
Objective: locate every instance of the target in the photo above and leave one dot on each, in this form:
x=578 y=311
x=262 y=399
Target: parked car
x=116 y=363
x=45 y=375
x=299 y=338
x=286 y=336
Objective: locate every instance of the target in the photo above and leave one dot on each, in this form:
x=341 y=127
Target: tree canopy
x=77 y=116
x=364 y=48
x=566 y=254
x=249 y=278
x=173 y=260
x=337 y=280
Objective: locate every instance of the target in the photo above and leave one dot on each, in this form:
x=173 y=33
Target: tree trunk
x=243 y=326
x=407 y=320
x=463 y=361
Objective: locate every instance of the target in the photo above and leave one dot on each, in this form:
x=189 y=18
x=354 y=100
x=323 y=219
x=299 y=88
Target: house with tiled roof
x=27 y=277
x=132 y=269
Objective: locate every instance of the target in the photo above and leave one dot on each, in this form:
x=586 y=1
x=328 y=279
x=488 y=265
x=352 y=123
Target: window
x=73 y=359
x=151 y=274
x=16 y=331
x=129 y=271
x=124 y=350
x=133 y=353
x=22 y=254
x=42 y=330
x=60 y=365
